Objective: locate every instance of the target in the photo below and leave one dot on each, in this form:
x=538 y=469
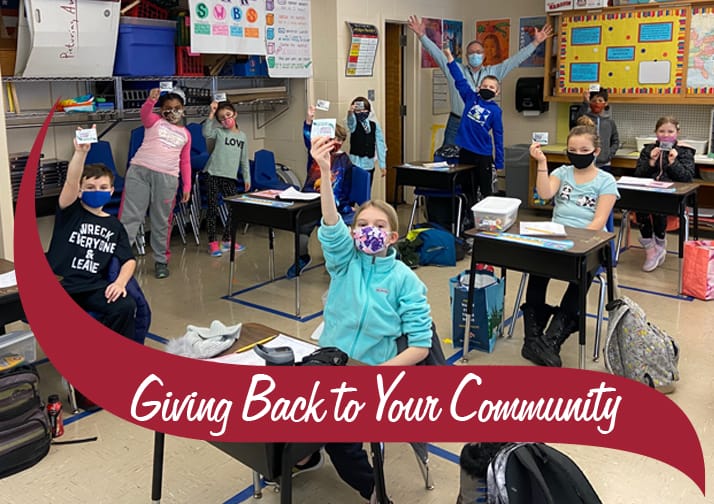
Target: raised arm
x=70 y=189
x=209 y=128
x=148 y=117
x=499 y=161
x=320 y=152
x=547 y=185
x=416 y=25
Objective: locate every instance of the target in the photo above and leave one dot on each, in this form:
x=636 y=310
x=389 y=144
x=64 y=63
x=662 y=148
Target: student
x=482 y=118
x=595 y=107
x=153 y=176
x=372 y=300
x=583 y=197
x=84 y=241
x=473 y=69
x=366 y=137
x=340 y=176
x=230 y=154
x=666 y=160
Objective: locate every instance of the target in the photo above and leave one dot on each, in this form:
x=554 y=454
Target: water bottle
x=54 y=411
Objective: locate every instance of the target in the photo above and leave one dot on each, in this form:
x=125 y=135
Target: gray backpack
x=638 y=349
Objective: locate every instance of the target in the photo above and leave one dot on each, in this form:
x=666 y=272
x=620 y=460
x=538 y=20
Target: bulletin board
x=630 y=53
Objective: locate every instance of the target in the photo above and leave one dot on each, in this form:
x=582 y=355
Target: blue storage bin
x=145 y=47
x=255 y=66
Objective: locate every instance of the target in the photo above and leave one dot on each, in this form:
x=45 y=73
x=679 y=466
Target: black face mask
x=581 y=161
x=486 y=94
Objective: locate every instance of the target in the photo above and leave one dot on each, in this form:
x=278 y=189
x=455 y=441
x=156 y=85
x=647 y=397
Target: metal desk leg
x=624 y=228
x=257 y=489
x=454 y=217
x=583 y=310
x=271 y=254
x=380 y=485
x=158 y=467
x=297 y=268
x=286 y=475
x=682 y=237
x=231 y=266
x=695 y=211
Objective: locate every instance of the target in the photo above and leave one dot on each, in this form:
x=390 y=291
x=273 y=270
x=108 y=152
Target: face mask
x=172 y=115
x=475 y=59
x=597 y=107
x=361 y=116
x=228 y=122
x=581 y=161
x=96 y=199
x=370 y=240
x=667 y=140
x=486 y=94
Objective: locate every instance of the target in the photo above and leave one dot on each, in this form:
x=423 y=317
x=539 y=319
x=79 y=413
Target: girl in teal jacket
x=373 y=299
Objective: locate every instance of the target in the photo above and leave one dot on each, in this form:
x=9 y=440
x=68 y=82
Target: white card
x=322 y=105
x=166 y=86
x=86 y=136
x=220 y=97
x=540 y=137
x=323 y=127
x=594 y=88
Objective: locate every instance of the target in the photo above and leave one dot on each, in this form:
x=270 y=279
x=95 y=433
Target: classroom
x=653 y=58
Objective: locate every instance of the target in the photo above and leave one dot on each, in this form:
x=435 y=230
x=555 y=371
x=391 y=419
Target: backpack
x=638 y=349
x=534 y=473
x=25 y=434
x=439 y=247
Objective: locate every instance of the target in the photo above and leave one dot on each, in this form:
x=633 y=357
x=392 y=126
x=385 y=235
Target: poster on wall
x=700 y=70
x=287 y=38
x=432 y=27
x=526 y=34
x=453 y=36
x=218 y=27
x=363 y=50
x=494 y=35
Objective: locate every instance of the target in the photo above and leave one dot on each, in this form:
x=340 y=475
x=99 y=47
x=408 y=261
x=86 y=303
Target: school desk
x=670 y=201
x=444 y=179
x=272 y=214
x=590 y=251
x=273 y=460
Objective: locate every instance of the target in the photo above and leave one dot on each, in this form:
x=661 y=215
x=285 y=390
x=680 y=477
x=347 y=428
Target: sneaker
x=226 y=246
x=161 y=270
x=315 y=461
x=303 y=262
x=214 y=249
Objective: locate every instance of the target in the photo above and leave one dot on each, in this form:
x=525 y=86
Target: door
x=395 y=41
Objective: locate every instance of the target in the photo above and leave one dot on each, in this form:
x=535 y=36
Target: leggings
x=652 y=223
x=536 y=291
x=219 y=186
x=484 y=174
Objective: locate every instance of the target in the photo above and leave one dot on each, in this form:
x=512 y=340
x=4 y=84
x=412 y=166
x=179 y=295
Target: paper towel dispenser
x=529 y=95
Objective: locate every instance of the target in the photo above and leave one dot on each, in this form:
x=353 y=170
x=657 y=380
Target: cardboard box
x=558 y=5
x=67 y=39
x=7 y=62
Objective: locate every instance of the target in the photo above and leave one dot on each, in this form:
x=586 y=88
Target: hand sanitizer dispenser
x=529 y=96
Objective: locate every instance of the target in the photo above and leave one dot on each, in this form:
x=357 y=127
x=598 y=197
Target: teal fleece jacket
x=371 y=301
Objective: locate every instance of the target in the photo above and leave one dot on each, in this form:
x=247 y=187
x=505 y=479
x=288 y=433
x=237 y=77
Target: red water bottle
x=54 y=411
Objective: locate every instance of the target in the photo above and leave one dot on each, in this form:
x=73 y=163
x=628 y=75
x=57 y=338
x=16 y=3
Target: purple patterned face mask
x=370 y=240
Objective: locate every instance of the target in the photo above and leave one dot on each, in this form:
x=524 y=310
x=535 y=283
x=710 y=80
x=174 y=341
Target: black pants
x=219 y=186
x=118 y=316
x=652 y=223
x=484 y=175
x=538 y=286
x=352 y=464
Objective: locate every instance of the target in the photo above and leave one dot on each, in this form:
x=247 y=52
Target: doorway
x=395 y=109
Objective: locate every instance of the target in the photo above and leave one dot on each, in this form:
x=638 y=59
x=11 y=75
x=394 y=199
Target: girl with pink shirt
x=153 y=176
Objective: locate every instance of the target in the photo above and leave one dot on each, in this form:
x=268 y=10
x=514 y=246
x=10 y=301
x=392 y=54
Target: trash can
x=517 y=166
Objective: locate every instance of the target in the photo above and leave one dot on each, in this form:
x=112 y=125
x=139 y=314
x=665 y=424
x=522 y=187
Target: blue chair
x=199 y=149
x=360 y=190
x=420 y=195
x=101 y=152
x=600 y=277
x=265 y=175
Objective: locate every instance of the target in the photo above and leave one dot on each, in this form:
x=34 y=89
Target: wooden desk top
x=681 y=189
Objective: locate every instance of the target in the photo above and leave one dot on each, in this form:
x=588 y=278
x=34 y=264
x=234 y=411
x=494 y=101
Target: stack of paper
x=293 y=194
x=644 y=182
x=542 y=228
x=437 y=164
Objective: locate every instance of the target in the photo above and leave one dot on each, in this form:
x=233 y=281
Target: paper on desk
x=293 y=194
x=542 y=228
x=645 y=182
x=250 y=358
x=437 y=164
x=8 y=280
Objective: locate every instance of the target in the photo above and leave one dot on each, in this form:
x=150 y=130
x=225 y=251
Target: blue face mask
x=475 y=59
x=96 y=199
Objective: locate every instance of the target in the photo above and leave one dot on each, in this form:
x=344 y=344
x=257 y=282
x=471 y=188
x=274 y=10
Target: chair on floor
x=360 y=190
x=600 y=277
x=420 y=195
x=266 y=176
x=101 y=152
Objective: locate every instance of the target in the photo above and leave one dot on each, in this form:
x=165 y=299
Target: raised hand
x=154 y=94
x=536 y=152
x=447 y=53
x=416 y=26
x=540 y=35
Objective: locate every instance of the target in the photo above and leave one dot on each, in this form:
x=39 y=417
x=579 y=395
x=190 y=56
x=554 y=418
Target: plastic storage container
x=644 y=140
x=145 y=47
x=495 y=213
x=699 y=145
x=19 y=342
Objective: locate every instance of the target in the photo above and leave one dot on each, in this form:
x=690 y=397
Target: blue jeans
x=452 y=127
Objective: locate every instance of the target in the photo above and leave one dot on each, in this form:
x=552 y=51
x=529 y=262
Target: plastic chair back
x=101 y=152
x=360 y=188
x=265 y=176
x=199 y=148
x=135 y=140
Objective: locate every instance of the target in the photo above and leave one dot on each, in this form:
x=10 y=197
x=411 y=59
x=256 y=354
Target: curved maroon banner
x=222 y=402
